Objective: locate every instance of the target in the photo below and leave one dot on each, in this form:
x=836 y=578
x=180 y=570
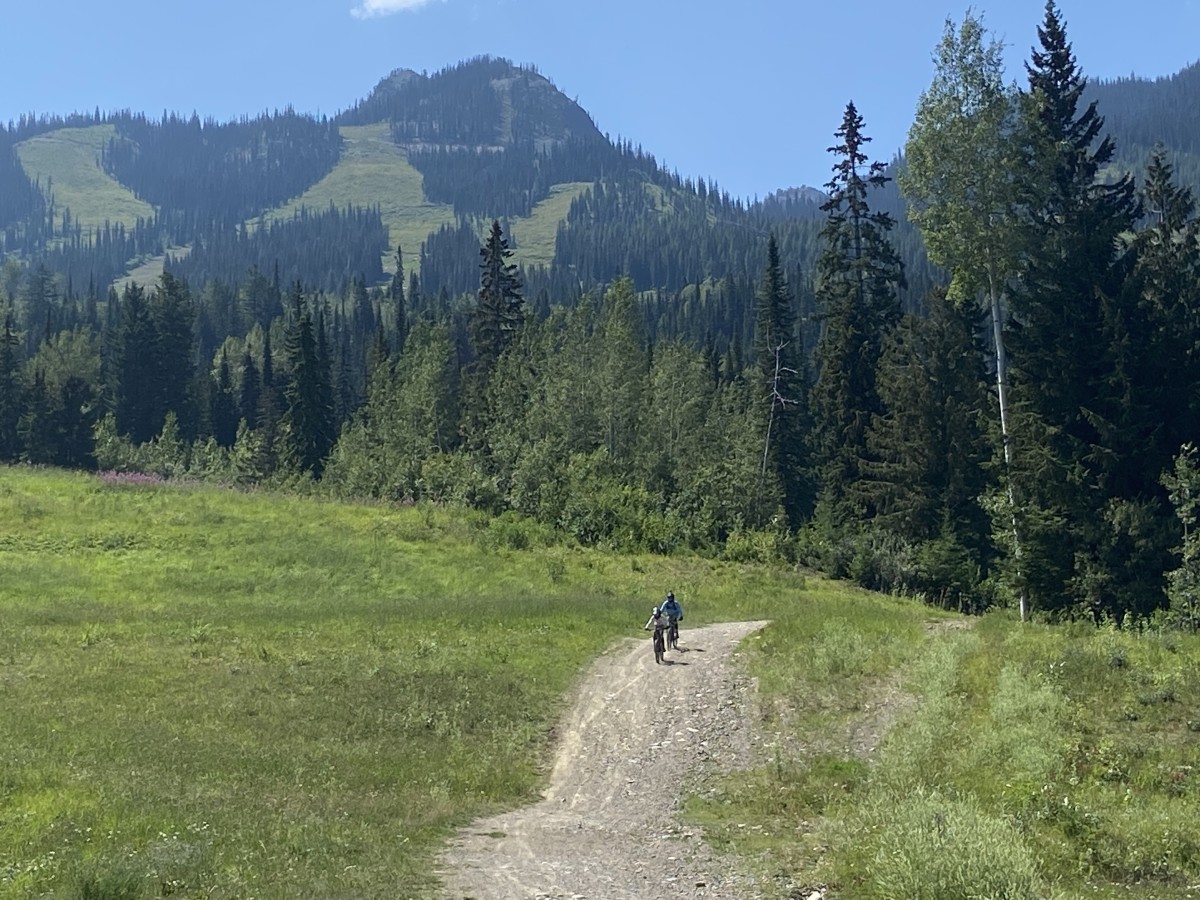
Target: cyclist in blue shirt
x=673 y=613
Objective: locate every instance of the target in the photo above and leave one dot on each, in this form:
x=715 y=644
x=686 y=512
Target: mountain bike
x=673 y=635
x=660 y=650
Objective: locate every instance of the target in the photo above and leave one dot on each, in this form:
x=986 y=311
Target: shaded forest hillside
x=1141 y=113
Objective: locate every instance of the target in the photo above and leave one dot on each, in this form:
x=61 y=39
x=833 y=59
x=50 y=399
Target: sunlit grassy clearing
x=150 y=271
x=1038 y=761
x=535 y=236
x=270 y=696
x=373 y=171
x=67 y=164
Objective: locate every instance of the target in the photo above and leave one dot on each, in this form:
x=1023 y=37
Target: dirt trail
x=638 y=736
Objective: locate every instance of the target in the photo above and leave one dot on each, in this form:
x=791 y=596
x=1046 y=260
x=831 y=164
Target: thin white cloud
x=370 y=9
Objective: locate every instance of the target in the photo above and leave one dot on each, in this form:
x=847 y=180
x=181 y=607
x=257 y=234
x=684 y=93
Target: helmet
x=670 y=595
x=655 y=611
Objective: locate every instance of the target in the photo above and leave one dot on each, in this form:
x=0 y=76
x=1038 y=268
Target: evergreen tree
x=308 y=420
x=859 y=275
x=499 y=308
x=783 y=385
x=172 y=365
x=75 y=422
x=266 y=444
x=1061 y=345
x=251 y=390
x=1146 y=408
x=930 y=445
x=620 y=375
x=36 y=426
x=399 y=307
x=223 y=407
x=138 y=409
x=494 y=324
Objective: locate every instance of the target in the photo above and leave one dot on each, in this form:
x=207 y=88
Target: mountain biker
x=658 y=622
x=671 y=609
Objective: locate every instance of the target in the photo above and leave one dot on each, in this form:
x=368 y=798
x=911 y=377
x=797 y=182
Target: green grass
x=67 y=162
x=220 y=694
x=535 y=235
x=373 y=171
x=214 y=694
x=1037 y=762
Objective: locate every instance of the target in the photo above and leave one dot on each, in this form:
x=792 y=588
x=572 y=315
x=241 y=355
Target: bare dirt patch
x=638 y=736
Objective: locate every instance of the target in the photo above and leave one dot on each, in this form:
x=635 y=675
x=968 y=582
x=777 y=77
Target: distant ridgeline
x=489 y=140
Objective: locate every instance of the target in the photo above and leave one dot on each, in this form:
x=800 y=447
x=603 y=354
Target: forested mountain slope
x=427 y=162
x=1141 y=113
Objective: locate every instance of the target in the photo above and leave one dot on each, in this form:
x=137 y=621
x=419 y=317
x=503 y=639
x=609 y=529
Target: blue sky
x=747 y=92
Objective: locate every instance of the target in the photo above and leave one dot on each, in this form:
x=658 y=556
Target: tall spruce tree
x=139 y=409
x=859 y=275
x=399 y=305
x=782 y=368
x=499 y=310
x=223 y=410
x=1073 y=266
x=271 y=407
x=308 y=421
x=172 y=365
x=494 y=323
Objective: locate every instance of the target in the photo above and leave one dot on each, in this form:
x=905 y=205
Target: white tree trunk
x=1002 y=392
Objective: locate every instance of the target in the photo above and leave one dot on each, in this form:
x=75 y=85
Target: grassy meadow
x=206 y=693
x=67 y=161
x=1016 y=761
x=373 y=171
x=214 y=694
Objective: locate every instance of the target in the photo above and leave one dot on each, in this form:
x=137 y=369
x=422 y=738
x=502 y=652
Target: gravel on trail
x=638 y=737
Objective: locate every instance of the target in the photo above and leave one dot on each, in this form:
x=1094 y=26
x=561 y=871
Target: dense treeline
x=20 y=200
x=221 y=172
x=102 y=255
x=323 y=249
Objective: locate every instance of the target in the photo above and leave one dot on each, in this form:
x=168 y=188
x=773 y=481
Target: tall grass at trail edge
x=211 y=694
x=1019 y=761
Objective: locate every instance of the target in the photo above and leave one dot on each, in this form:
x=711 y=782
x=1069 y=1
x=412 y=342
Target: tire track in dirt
x=638 y=735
